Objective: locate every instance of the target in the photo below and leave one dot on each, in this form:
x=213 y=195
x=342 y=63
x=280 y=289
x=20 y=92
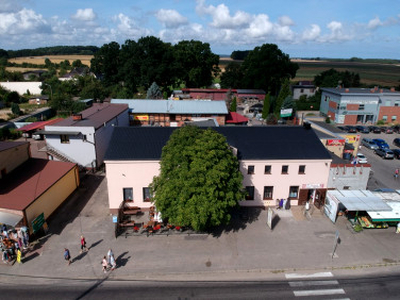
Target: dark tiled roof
x=95 y=116
x=9 y=145
x=264 y=142
x=30 y=180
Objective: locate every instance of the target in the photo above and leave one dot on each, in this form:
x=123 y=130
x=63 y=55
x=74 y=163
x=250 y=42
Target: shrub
x=380 y=122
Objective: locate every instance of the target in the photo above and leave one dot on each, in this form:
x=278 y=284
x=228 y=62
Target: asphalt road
x=383 y=169
x=316 y=286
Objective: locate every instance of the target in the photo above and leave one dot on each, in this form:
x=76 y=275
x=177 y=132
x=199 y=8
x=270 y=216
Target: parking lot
x=382 y=169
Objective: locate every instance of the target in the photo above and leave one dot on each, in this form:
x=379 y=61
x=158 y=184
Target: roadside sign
x=38 y=222
x=286 y=112
x=115 y=219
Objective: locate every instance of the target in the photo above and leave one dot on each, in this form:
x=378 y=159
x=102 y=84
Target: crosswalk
x=315 y=284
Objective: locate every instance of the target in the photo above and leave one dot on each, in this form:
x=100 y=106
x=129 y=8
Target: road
x=323 y=285
x=383 y=169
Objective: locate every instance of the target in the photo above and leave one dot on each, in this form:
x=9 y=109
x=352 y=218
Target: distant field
x=85 y=59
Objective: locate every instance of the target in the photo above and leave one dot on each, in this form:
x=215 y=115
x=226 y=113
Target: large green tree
x=232 y=77
x=106 y=63
x=266 y=67
x=196 y=63
x=266 y=106
x=283 y=94
x=333 y=78
x=199 y=181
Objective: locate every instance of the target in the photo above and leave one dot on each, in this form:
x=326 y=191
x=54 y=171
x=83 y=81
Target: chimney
x=77 y=117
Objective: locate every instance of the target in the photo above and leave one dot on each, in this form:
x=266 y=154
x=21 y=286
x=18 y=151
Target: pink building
x=277 y=162
x=221 y=94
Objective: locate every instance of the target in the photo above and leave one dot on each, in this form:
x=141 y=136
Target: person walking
x=104 y=264
x=113 y=263
x=67 y=256
x=398 y=228
x=83 y=244
x=109 y=255
x=396 y=174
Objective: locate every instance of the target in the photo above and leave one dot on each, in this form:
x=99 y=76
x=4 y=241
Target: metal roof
x=360 y=200
x=145 y=106
x=387 y=216
x=361 y=91
x=9 y=218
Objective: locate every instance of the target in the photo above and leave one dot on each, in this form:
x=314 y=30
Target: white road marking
x=312 y=283
x=312 y=275
x=318 y=292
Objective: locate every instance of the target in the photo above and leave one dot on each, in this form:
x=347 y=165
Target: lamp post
x=51 y=91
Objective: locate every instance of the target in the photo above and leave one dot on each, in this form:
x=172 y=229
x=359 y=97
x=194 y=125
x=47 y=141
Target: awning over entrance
x=387 y=216
x=9 y=219
x=360 y=200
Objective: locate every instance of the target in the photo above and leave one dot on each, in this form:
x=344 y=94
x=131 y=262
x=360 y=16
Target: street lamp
x=51 y=91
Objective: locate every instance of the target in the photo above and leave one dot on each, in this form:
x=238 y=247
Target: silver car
x=385 y=153
x=369 y=143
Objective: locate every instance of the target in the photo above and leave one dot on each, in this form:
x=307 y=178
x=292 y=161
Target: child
x=67 y=256
x=83 y=244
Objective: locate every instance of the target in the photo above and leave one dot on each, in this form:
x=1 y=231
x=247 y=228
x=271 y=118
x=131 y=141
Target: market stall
x=357 y=205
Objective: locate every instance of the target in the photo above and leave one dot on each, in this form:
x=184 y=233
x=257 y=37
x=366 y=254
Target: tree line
x=55 y=50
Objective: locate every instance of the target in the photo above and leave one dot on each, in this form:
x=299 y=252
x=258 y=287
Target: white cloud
x=127 y=27
x=171 y=18
x=22 y=22
x=312 y=33
x=84 y=15
x=374 y=23
x=260 y=26
x=221 y=17
x=285 y=21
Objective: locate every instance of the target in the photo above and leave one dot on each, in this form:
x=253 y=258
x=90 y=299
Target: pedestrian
x=109 y=254
x=104 y=264
x=396 y=173
x=67 y=256
x=398 y=228
x=83 y=244
x=113 y=263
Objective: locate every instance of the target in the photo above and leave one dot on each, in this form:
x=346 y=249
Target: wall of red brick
x=352 y=106
x=350 y=119
x=389 y=111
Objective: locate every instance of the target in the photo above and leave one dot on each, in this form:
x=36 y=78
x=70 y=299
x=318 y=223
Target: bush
x=380 y=122
x=327 y=120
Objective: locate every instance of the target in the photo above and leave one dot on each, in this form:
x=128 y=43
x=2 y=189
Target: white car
x=361 y=159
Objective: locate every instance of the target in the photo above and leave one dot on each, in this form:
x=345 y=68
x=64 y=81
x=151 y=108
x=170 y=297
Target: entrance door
x=303 y=196
x=319 y=200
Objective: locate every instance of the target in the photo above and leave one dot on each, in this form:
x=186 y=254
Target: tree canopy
x=333 y=78
x=199 y=181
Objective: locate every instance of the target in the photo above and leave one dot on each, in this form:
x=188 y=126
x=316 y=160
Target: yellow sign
x=19 y=256
x=141 y=117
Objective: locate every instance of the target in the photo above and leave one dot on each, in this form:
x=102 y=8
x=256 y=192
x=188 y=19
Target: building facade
x=84 y=138
x=352 y=106
x=173 y=113
x=279 y=162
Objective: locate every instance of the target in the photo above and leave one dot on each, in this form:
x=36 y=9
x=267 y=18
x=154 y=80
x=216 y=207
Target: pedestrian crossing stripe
x=312 y=275
x=312 y=283
x=306 y=293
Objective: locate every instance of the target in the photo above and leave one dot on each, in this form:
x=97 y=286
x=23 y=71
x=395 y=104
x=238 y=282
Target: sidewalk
x=295 y=243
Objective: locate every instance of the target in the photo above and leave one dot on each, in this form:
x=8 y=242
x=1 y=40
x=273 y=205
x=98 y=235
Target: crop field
x=85 y=59
x=385 y=75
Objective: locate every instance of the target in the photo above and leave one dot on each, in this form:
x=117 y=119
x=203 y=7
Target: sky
x=304 y=29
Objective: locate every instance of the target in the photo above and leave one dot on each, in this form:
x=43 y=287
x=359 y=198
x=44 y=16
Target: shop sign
x=351 y=139
x=141 y=117
x=335 y=142
x=38 y=222
x=286 y=112
x=312 y=186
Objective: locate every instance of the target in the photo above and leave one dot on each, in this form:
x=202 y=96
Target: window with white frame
x=146 y=194
x=249 y=192
x=293 y=192
x=285 y=169
x=268 y=192
x=250 y=170
x=128 y=194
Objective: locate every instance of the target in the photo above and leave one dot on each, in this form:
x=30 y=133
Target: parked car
x=374 y=129
x=396 y=128
x=396 y=153
x=341 y=128
x=362 y=129
x=381 y=143
x=385 y=153
x=386 y=129
x=361 y=159
x=350 y=129
x=369 y=143
x=396 y=142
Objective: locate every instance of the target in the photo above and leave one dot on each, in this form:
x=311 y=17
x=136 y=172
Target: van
x=369 y=143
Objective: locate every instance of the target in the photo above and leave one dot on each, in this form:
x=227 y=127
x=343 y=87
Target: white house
x=84 y=137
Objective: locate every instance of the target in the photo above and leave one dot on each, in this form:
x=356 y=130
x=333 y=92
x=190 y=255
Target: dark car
x=341 y=128
x=386 y=129
x=362 y=129
x=396 y=142
x=381 y=143
x=385 y=153
x=396 y=128
x=396 y=153
x=350 y=129
x=374 y=129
